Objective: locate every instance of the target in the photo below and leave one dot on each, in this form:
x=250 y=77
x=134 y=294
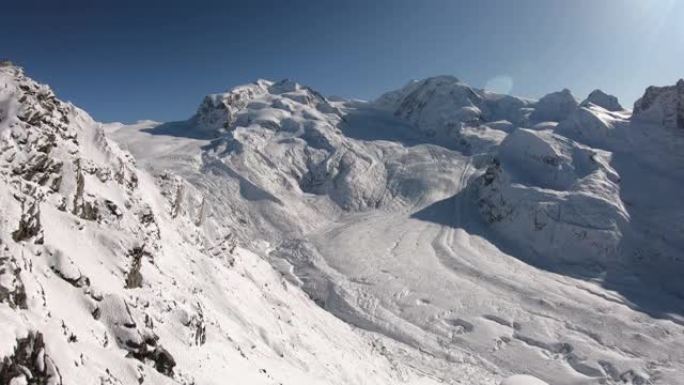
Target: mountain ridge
x=446 y=234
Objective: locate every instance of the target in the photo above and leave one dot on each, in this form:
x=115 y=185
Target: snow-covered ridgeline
x=407 y=217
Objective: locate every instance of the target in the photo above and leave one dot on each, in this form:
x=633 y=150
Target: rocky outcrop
x=219 y=113
x=491 y=202
x=603 y=100
x=662 y=105
x=60 y=176
x=137 y=338
x=134 y=277
x=29 y=364
x=29 y=222
x=12 y=290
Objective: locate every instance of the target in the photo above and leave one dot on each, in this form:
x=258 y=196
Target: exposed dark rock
x=12 y=291
x=603 y=100
x=134 y=277
x=662 y=105
x=31 y=362
x=176 y=208
x=70 y=274
x=113 y=208
x=200 y=327
x=161 y=358
x=163 y=361
x=29 y=223
x=491 y=203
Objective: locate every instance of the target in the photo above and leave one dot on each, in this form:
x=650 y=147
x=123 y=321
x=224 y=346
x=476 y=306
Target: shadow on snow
x=653 y=287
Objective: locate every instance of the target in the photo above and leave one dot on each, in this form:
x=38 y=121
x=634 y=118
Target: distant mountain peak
x=555 y=106
x=599 y=98
x=662 y=105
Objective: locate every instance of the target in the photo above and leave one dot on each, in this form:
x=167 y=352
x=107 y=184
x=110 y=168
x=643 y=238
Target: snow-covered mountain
x=112 y=275
x=439 y=234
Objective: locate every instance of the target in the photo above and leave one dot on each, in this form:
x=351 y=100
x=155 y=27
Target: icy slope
x=485 y=234
x=111 y=275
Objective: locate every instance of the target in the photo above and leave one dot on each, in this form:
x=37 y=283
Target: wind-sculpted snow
x=466 y=236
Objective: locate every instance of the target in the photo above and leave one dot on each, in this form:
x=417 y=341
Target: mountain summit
x=662 y=105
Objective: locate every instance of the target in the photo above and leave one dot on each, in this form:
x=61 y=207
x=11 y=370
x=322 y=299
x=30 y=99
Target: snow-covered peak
x=217 y=111
x=222 y=112
x=442 y=106
x=554 y=107
x=662 y=105
x=603 y=100
x=411 y=99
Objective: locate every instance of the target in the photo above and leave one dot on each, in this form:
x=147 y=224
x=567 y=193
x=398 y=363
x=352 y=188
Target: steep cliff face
x=662 y=105
x=70 y=199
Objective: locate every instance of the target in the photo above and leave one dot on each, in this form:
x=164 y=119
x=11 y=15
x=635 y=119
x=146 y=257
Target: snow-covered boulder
x=662 y=105
x=554 y=107
x=603 y=100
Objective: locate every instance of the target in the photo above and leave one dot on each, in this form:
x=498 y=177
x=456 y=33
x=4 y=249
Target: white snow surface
x=440 y=234
x=78 y=215
x=522 y=379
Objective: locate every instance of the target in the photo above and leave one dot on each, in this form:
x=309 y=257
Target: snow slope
x=433 y=216
x=440 y=234
x=112 y=275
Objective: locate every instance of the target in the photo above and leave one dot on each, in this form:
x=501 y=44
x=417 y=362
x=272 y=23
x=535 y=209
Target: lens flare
x=501 y=84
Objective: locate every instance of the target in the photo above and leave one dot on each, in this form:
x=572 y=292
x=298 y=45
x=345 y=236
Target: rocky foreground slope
x=110 y=275
x=440 y=234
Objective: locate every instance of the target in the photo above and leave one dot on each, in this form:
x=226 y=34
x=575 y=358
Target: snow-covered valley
x=440 y=234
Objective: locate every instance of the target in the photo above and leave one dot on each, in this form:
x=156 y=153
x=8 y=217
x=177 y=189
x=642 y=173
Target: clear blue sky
x=130 y=60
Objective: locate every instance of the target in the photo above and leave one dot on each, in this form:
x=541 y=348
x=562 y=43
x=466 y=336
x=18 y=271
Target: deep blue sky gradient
x=130 y=60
